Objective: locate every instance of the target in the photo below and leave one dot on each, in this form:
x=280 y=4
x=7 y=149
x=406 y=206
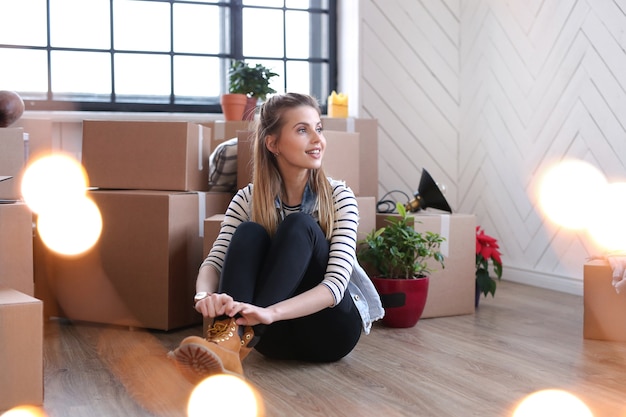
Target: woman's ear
x=270 y=144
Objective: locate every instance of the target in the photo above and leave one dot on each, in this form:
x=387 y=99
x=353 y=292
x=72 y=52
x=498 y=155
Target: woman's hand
x=217 y=304
x=252 y=315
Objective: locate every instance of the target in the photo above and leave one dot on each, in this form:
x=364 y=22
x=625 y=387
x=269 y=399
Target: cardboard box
x=21 y=350
x=222 y=130
x=141 y=273
x=604 y=309
x=244 y=158
x=212 y=226
x=41 y=140
x=16 y=247
x=451 y=290
x=12 y=162
x=367 y=213
x=368 y=149
x=341 y=160
x=146 y=155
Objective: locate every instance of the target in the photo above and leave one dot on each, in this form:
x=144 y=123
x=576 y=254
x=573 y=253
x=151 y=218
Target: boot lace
x=219 y=330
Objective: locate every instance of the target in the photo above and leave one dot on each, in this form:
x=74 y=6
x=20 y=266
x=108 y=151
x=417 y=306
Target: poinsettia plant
x=487 y=250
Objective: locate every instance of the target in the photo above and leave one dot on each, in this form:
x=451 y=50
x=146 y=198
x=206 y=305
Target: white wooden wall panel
x=486 y=95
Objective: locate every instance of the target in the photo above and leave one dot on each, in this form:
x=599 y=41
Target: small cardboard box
x=604 y=308
x=367 y=214
x=12 y=162
x=146 y=155
x=16 y=247
x=244 y=158
x=212 y=226
x=452 y=290
x=222 y=130
x=368 y=149
x=143 y=270
x=21 y=350
x=41 y=139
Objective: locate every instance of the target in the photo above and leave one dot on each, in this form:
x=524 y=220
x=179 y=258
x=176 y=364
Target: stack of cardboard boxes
x=151 y=184
x=21 y=315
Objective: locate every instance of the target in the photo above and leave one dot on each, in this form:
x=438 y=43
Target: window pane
x=32 y=62
x=80 y=24
x=263 y=32
x=141 y=25
x=81 y=72
x=308 y=78
x=311 y=4
x=263 y=3
x=298 y=35
x=141 y=74
x=197 y=76
x=23 y=22
x=197 y=29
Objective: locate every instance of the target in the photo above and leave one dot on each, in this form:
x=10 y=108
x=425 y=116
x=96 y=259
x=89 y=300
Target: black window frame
x=50 y=103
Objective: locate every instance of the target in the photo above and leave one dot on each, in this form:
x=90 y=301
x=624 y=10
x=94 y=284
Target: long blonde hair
x=268 y=183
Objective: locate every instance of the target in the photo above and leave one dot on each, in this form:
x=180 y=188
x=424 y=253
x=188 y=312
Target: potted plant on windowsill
x=397 y=258
x=251 y=82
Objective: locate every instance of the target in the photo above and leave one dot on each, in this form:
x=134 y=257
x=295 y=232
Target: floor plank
x=523 y=340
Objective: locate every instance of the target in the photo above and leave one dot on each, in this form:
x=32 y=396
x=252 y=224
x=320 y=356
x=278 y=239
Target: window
x=160 y=55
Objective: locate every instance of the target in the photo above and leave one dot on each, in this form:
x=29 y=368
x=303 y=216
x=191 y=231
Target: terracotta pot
x=403 y=300
x=250 y=110
x=233 y=106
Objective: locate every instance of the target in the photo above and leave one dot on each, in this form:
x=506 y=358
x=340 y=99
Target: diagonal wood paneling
x=486 y=94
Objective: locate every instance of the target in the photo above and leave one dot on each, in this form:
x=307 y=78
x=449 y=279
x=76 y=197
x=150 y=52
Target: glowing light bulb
x=607 y=227
x=52 y=179
x=225 y=395
x=70 y=228
x=552 y=402
x=24 y=411
x=567 y=191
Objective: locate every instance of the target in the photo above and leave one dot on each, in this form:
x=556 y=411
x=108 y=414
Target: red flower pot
x=403 y=300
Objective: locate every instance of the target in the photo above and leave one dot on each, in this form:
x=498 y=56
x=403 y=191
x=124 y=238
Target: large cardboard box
x=16 y=247
x=604 y=309
x=141 y=273
x=451 y=290
x=12 y=162
x=368 y=149
x=21 y=349
x=146 y=155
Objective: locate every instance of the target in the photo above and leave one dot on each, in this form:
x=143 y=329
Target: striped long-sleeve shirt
x=342 y=243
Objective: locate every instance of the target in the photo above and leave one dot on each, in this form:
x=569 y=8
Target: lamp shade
x=428 y=195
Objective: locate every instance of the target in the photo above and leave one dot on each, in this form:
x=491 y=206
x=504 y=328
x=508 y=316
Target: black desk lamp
x=427 y=195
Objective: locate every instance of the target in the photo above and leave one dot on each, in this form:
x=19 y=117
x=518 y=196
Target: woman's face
x=301 y=143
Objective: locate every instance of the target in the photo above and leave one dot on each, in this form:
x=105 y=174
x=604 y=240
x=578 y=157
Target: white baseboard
x=554 y=282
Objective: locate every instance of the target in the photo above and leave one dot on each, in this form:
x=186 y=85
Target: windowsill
x=79 y=116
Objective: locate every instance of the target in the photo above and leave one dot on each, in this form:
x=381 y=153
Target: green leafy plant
x=251 y=81
x=398 y=250
x=487 y=250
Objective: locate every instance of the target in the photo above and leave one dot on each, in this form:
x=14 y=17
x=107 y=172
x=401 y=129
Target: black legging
x=263 y=271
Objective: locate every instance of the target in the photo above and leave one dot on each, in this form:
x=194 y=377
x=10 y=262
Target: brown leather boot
x=220 y=352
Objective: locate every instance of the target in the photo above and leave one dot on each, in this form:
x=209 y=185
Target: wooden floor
x=523 y=340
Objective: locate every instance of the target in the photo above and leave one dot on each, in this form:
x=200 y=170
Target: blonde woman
x=282 y=275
